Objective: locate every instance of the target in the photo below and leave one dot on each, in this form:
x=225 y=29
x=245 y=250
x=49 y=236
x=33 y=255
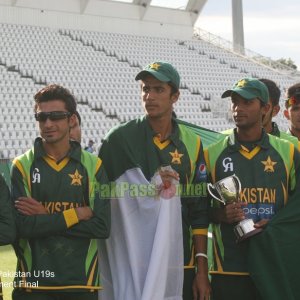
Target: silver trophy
x=228 y=190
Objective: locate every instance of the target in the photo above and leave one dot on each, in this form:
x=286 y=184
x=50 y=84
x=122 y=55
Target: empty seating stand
x=99 y=68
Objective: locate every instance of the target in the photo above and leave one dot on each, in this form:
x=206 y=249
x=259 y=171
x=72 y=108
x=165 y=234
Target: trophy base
x=249 y=234
x=245 y=229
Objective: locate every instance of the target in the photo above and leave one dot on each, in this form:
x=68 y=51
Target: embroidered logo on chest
x=36 y=176
x=76 y=178
x=227 y=164
x=269 y=164
x=176 y=157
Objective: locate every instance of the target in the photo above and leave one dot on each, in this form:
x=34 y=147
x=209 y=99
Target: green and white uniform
x=135 y=146
x=268 y=177
x=55 y=251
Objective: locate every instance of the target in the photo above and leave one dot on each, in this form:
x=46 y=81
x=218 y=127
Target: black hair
x=56 y=92
x=274 y=91
x=174 y=89
x=293 y=90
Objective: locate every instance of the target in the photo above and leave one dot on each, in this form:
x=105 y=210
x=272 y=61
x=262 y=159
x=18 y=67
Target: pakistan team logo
x=154 y=66
x=269 y=164
x=76 y=178
x=176 y=157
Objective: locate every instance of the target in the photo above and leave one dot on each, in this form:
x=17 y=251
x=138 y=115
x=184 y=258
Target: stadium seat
x=102 y=78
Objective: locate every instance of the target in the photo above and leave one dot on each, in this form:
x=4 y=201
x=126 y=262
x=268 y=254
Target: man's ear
x=72 y=121
x=286 y=114
x=175 y=97
x=266 y=108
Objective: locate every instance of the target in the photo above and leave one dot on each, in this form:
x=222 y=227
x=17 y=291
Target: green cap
x=162 y=71
x=249 y=88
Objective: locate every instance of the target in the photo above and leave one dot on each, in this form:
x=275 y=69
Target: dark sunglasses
x=52 y=115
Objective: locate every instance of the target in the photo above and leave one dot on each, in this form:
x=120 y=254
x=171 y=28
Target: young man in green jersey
x=7 y=221
x=292 y=110
x=132 y=154
x=268 y=169
x=60 y=213
x=270 y=126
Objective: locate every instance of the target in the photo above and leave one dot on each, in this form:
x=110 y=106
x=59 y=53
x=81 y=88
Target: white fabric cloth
x=143 y=258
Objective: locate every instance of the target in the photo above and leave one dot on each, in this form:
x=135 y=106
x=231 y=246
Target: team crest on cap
x=269 y=164
x=154 y=66
x=241 y=83
x=176 y=157
x=76 y=178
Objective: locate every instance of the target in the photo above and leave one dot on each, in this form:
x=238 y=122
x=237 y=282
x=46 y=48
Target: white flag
x=143 y=258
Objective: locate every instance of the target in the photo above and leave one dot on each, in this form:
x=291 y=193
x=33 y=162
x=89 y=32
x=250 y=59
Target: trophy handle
x=211 y=190
x=238 y=182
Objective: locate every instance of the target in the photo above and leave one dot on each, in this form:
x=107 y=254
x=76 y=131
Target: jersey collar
x=173 y=137
x=234 y=145
x=74 y=153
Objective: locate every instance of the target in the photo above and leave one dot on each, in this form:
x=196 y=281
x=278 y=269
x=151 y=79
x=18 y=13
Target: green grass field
x=8 y=264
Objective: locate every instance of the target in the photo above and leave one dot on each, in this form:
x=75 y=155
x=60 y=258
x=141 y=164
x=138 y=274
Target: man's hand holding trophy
x=227 y=191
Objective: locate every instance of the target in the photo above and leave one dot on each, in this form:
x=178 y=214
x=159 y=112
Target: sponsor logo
x=227 y=164
x=36 y=176
x=256 y=213
x=260 y=202
x=202 y=169
x=201 y=172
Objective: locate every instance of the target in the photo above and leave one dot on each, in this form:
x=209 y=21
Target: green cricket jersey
x=268 y=178
x=55 y=251
x=135 y=145
x=7 y=222
x=275 y=272
x=276 y=132
x=283 y=135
